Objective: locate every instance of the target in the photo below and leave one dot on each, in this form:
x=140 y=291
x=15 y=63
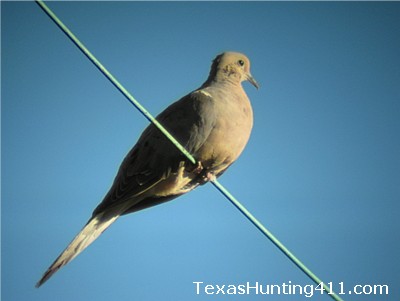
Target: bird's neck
x=222 y=78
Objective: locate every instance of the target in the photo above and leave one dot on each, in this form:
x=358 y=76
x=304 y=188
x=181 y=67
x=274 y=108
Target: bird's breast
x=230 y=134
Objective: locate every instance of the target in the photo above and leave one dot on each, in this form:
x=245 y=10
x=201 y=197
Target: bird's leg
x=209 y=176
x=204 y=174
x=198 y=168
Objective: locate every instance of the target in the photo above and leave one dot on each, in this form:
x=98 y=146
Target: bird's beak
x=252 y=81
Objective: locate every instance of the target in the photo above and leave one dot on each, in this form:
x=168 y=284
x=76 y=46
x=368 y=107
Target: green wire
x=274 y=240
x=219 y=186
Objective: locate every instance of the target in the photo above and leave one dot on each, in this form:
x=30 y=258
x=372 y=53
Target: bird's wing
x=190 y=120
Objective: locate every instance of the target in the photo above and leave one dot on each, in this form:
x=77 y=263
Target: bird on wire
x=213 y=123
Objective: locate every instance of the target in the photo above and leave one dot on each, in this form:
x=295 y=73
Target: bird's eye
x=241 y=62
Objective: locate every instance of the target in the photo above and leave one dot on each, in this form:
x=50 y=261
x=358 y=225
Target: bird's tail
x=95 y=226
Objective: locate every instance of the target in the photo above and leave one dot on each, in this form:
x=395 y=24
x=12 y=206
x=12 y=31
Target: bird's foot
x=198 y=168
x=209 y=176
x=203 y=173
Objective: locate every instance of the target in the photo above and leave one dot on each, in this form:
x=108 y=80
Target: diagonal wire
x=219 y=186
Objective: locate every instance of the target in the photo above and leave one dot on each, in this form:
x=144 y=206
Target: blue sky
x=321 y=170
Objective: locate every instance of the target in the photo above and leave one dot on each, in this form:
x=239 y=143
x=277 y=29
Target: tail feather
x=93 y=229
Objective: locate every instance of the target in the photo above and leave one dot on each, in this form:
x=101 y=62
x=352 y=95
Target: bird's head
x=233 y=67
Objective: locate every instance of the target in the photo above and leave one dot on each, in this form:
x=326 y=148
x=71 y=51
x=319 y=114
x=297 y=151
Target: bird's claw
x=205 y=175
x=209 y=176
x=198 y=168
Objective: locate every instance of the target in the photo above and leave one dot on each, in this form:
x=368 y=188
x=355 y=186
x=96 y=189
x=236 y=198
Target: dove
x=213 y=123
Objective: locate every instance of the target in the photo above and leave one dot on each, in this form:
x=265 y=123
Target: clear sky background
x=321 y=170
